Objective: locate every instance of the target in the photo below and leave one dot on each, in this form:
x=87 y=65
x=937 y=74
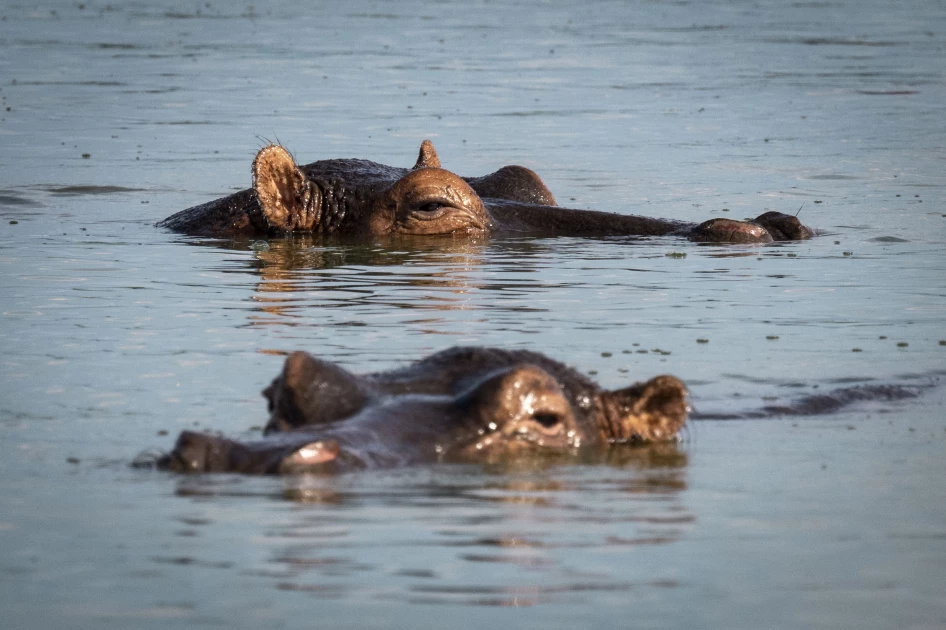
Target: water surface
x=117 y=335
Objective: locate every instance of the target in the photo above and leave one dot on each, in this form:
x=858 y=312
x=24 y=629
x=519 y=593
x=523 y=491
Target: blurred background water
x=116 y=335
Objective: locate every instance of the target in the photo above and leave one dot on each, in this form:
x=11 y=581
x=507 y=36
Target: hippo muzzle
x=201 y=452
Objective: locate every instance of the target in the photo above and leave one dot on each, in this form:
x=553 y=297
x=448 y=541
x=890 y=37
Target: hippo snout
x=288 y=453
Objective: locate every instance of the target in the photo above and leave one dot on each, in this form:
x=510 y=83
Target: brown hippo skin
x=348 y=196
x=462 y=405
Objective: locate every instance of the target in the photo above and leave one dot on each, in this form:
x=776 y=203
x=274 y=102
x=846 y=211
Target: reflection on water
x=454 y=535
x=334 y=275
x=298 y=277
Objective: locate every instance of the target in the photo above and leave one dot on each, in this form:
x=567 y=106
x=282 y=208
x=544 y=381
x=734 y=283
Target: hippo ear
x=428 y=156
x=647 y=412
x=282 y=189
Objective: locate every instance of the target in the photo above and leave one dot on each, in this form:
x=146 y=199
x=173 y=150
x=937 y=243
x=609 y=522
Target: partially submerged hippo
x=365 y=198
x=462 y=404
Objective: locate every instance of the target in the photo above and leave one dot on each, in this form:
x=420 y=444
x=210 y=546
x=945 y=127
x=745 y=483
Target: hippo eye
x=433 y=206
x=549 y=423
x=547 y=420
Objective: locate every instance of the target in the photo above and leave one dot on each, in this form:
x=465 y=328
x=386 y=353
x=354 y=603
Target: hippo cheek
x=317 y=456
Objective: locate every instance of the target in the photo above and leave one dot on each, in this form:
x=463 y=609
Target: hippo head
x=424 y=200
x=324 y=418
x=352 y=197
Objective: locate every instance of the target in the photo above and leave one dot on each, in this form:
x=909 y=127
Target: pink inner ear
x=314 y=453
x=279 y=184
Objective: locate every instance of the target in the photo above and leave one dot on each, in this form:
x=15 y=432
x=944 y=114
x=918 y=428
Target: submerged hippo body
x=462 y=404
x=365 y=198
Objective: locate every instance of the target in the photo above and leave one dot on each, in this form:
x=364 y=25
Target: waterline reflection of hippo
x=359 y=197
x=464 y=404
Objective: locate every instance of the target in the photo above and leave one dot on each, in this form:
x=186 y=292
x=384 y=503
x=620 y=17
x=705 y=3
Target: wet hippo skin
x=464 y=404
x=360 y=197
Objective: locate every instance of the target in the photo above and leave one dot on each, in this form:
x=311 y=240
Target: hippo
x=465 y=404
x=359 y=197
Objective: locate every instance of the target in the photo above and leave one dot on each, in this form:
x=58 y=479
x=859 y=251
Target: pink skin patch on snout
x=313 y=454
